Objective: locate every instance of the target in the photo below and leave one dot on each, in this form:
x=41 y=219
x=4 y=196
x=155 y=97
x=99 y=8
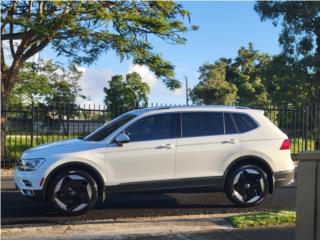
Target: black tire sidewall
x=81 y=173
x=229 y=186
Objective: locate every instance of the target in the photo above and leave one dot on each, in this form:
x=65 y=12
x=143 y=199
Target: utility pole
x=187 y=90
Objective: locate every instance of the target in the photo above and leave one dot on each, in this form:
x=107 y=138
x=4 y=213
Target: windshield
x=108 y=128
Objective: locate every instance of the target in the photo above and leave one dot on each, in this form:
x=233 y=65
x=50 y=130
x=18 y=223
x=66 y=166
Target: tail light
x=286 y=144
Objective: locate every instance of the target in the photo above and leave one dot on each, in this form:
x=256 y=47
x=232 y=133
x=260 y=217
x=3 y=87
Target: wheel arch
x=254 y=160
x=75 y=165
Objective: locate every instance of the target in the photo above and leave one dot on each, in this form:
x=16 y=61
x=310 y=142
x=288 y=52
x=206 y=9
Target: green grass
x=16 y=144
x=300 y=144
x=263 y=219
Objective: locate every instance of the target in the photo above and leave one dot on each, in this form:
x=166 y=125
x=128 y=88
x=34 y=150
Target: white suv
x=178 y=149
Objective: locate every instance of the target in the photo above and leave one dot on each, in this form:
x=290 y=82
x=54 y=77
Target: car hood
x=61 y=147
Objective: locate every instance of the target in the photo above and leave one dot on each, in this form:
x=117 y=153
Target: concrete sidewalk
x=197 y=227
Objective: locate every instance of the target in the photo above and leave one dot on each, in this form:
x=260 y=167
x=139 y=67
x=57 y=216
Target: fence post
x=307 y=129
x=317 y=126
x=308 y=196
x=32 y=123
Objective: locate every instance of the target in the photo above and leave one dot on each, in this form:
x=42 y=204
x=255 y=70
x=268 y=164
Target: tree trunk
x=8 y=80
x=5 y=96
x=63 y=126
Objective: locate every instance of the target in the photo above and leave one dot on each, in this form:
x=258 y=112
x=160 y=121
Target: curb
x=7 y=183
x=219 y=220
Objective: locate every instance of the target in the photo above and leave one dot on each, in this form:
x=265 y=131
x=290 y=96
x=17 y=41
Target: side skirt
x=185 y=185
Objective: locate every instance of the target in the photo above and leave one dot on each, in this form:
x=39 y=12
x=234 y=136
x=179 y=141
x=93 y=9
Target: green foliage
x=48 y=81
x=32 y=86
x=288 y=85
x=126 y=93
x=234 y=80
x=247 y=73
x=83 y=30
x=64 y=83
x=289 y=79
x=263 y=219
x=213 y=87
x=300 y=41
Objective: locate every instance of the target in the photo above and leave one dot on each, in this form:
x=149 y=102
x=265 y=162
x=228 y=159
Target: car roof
x=191 y=108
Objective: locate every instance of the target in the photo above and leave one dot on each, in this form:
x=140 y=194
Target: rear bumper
x=283 y=178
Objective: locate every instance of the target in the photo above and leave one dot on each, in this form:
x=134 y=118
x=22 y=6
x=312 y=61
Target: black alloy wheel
x=73 y=192
x=247 y=185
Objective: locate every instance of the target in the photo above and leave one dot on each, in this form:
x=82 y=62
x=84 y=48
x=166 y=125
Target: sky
x=224 y=28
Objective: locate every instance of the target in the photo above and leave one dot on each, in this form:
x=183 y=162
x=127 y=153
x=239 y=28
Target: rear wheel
x=247 y=185
x=73 y=192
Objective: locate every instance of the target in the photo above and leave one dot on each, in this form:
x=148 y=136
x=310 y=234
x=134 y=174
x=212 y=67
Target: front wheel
x=73 y=192
x=247 y=185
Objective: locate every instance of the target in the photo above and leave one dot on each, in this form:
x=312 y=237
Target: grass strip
x=263 y=219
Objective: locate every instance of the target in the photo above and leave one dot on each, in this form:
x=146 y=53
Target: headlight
x=30 y=164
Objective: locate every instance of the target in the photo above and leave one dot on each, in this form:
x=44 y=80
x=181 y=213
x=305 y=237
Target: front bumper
x=28 y=183
x=283 y=178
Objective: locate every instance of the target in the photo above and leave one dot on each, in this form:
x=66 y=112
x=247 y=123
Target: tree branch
x=3 y=63
x=40 y=9
x=3 y=25
x=30 y=8
x=13 y=54
x=10 y=13
x=14 y=36
x=35 y=49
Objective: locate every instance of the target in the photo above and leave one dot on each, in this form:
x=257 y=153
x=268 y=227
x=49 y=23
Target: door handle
x=165 y=146
x=232 y=141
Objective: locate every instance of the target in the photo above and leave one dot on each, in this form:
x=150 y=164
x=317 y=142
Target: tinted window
x=155 y=127
x=105 y=130
x=229 y=125
x=244 y=122
x=202 y=124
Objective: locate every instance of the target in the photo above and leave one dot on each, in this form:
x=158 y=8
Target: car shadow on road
x=166 y=201
x=17 y=209
x=14 y=205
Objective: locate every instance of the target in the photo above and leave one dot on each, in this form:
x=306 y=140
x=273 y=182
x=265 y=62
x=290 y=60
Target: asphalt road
x=17 y=209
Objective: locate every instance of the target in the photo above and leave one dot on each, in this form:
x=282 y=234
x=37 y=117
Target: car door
x=207 y=141
x=150 y=153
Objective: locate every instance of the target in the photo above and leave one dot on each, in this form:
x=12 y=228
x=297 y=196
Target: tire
x=73 y=192
x=247 y=185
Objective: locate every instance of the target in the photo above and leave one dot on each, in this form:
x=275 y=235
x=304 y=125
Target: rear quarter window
x=230 y=127
x=244 y=122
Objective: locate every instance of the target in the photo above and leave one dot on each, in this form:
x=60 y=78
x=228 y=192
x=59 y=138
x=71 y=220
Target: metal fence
x=29 y=126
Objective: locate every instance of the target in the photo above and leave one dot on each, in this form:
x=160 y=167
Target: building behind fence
x=29 y=126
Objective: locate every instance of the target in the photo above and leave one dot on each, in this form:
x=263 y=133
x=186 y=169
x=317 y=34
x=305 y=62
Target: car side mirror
x=122 y=138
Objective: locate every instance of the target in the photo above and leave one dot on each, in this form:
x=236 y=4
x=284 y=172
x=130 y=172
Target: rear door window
x=244 y=122
x=196 y=124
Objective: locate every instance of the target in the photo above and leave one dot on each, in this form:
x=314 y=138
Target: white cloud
x=92 y=83
x=81 y=69
x=145 y=73
x=179 y=92
x=94 y=80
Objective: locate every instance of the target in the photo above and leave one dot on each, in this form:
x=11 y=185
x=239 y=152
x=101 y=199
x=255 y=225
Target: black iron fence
x=29 y=126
